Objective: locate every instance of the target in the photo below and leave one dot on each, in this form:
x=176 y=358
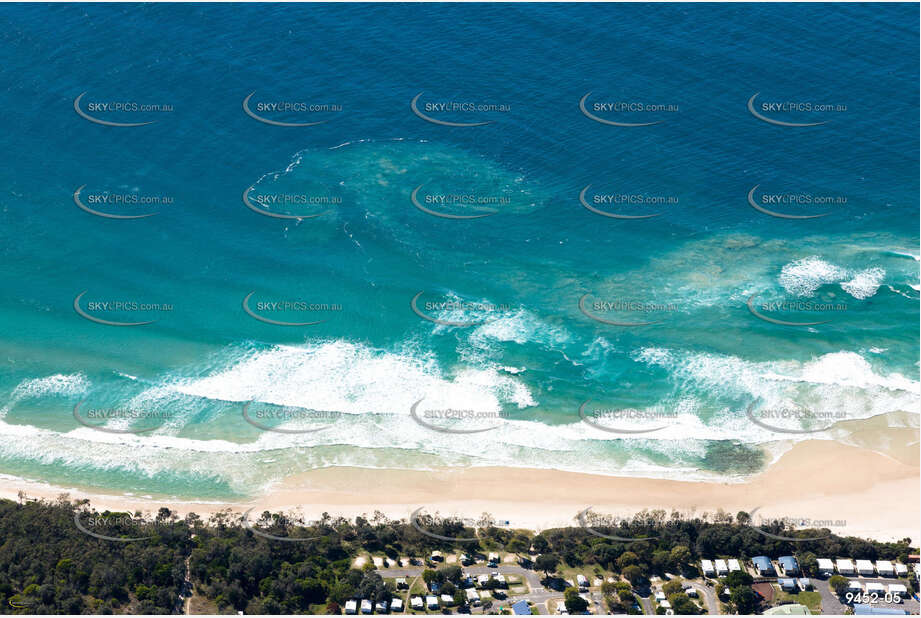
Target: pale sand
x=876 y=496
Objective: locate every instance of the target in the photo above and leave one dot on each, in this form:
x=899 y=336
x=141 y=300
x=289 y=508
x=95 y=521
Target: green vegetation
x=49 y=565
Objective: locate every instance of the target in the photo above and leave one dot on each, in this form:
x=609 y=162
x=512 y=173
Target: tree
x=634 y=575
x=809 y=564
x=540 y=544
x=547 y=563
x=744 y=599
x=574 y=603
x=680 y=556
x=682 y=604
x=737 y=578
x=626 y=559
x=672 y=586
x=839 y=584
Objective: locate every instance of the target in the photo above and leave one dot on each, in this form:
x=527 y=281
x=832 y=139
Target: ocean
x=625 y=239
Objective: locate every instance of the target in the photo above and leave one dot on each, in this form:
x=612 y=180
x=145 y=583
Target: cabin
x=721 y=568
x=845 y=566
x=763 y=565
x=431 y=601
x=865 y=567
x=885 y=568
x=901 y=570
x=381 y=607
x=826 y=567
x=447 y=600
x=416 y=603
x=500 y=579
x=804 y=583
x=473 y=597
x=396 y=605
x=898 y=589
x=734 y=565
x=351 y=607
x=788 y=565
x=437 y=556
x=402 y=583
x=855 y=586
x=582 y=581
x=707 y=567
x=483 y=579
x=787 y=584
x=366 y=606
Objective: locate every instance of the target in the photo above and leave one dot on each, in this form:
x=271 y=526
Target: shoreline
x=851 y=487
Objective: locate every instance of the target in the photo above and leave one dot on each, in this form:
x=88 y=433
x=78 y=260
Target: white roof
x=854 y=585
x=884 y=565
x=721 y=565
x=447 y=598
x=351 y=604
x=472 y=594
x=825 y=564
x=579 y=578
x=416 y=601
x=665 y=604
x=396 y=604
x=893 y=588
x=875 y=587
x=366 y=604
x=707 y=565
x=483 y=578
x=660 y=595
x=864 y=565
x=900 y=568
x=493 y=555
x=734 y=565
x=845 y=564
x=431 y=601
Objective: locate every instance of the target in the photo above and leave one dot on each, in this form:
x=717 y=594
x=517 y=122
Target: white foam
x=57 y=384
x=803 y=277
x=864 y=283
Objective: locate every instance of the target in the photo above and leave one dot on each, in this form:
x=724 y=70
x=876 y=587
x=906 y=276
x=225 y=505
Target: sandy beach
x=851 y=486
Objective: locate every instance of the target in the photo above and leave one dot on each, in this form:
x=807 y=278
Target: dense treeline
x=51 y=562
x=49 y=566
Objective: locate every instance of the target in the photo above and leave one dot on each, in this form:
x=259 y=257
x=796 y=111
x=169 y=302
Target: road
x=709 y=596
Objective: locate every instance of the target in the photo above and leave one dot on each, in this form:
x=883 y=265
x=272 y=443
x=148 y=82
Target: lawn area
x=811 y=599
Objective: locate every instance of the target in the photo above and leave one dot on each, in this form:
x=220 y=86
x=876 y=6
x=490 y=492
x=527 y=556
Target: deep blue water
x=532 y=358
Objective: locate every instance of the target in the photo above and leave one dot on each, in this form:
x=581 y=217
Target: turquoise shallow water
x=544 y=334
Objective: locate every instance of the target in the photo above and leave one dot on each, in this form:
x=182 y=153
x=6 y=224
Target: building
x=401 y=583
x=898 y=589
x=493 y=558
x=582 y=580
x=351 y=607
x=707 y=568
x=501 y=580
x=900 y=569
x=665 y=605
x=734 y=565
x=521 y=608
x=660 y=596
x=788 y=565
x=845 y=566
x=381 y=607
x=865 y=567
x=804 y=583
x=826 y=567
x=366 y=606
x=885 y=568
x=855 y=586
x=473 y=597
x=483 y=579
x=416 y=603
x=431 y=601
x=876 y=588
x=437 y=556
x=447 y=599
x=763 y=565
x=691 y=591
x=787 y=584
x=863 y=609
x=721 y=568
x=790 y=609
x=396 y=605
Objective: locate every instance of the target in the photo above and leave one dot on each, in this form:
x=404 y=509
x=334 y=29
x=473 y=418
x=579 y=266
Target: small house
x=351 y=607
x=721 y=568
x=401 y=583
x=416 y=603
x=396 y=605
x=381 y=607
x=804 y=583
x=431 y=601
x=865 y=567
x=734 y=565
x=366 y=606
x=707 y=567
x=787 y=584
x=826 y=567
x=885 y=568
x=788 y=565
x=901 y=570
x=763 y=565
x=845 y=566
